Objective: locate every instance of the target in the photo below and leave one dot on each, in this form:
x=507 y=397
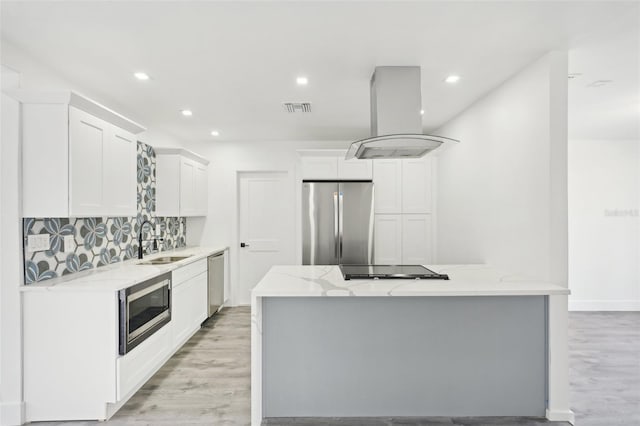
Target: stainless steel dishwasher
x=215 y=289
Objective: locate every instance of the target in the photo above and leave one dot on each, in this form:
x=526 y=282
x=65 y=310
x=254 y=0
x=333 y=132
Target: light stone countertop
x=464 y=280
x=122 y=274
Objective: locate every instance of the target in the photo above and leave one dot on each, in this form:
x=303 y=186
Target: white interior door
x=266 y=227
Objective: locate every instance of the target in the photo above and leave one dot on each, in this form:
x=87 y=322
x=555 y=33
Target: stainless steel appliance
x=337 y=222
x=144 y=309
x=389 y=271
x=215 y=290
x=396 y=126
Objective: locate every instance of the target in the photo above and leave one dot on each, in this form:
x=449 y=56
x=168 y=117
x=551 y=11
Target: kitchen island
x=478 y=344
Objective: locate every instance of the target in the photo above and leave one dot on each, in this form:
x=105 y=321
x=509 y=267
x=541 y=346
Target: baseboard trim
x=604 y=305
x=11 y=413
x=561 y=416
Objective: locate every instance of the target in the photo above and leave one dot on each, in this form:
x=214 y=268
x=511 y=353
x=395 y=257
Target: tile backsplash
x=100 y=241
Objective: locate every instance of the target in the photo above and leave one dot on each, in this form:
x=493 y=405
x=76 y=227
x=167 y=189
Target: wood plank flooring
x=208 y=381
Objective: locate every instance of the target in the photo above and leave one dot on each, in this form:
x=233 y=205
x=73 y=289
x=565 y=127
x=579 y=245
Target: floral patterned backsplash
x=101 y=241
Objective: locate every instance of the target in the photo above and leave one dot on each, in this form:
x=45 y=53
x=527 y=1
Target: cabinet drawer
x=136 y=367
x=181 y=275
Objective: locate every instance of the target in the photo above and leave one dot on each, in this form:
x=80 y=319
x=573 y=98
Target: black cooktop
x=389 y=272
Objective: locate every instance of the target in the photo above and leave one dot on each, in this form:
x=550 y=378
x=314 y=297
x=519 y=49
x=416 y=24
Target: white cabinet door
x=387 y=178
x=320 y=167
x=168 y=185
x=227 y=280
x=354 y=169
x=120 y=180
x=87 y=138
x=388 y=239
x=416 y=185
x=416 y=239
x=180 y=315
x=187 y=187
x=189 y=308
x=201 y=184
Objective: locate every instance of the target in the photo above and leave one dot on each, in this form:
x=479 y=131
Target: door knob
x=244 y=245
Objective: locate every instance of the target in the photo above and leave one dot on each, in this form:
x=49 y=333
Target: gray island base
x=326 y=347
x=404 y=356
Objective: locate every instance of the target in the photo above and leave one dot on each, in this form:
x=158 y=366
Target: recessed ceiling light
x=421 y=112
x=452 y=79
x=215 y=133
x=302 y=81
x=141 y=76
x=187 y=112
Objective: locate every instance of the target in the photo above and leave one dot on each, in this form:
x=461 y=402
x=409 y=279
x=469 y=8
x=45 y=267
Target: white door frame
x=235 y=240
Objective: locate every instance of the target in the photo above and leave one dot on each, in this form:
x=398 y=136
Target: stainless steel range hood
x=396 y=122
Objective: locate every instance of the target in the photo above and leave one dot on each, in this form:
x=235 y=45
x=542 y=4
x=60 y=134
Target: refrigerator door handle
x=335 y=226
x=340 y=221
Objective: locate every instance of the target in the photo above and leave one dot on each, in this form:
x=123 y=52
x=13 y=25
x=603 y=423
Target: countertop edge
x=97 y=277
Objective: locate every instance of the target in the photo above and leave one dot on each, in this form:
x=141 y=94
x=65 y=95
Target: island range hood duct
x=396 y=122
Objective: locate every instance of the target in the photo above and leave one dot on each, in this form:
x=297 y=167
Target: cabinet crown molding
x=75 y=99
x=181 y=151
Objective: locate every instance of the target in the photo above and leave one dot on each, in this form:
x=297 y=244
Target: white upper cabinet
x=78 y=157
x=330 y=164
x=322 y=168
x=201 y=189
x=120 y=169
x=181 y=183
x=187 y=187
x=88 y=137
x=354 y=169
x=387 y=179
x=416 y=185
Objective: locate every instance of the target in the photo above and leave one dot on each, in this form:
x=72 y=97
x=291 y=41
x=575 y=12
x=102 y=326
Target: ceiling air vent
x=297 y=106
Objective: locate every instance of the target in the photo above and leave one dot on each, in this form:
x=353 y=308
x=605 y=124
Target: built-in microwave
x=144 y=309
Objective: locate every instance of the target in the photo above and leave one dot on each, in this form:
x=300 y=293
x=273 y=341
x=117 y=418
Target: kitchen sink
x=162 y=260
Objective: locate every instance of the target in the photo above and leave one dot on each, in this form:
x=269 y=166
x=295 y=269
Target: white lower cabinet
x=388 y=239
x=139 y=365
x=72 y=370
x=189 y=308
x=403 y=239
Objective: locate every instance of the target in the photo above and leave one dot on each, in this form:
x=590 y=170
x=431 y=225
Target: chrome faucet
x=155 y=240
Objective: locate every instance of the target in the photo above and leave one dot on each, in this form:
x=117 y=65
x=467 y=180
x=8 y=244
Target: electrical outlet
x=69 y=243
x=38 y=242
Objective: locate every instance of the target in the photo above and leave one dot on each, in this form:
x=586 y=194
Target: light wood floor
x=208 y=381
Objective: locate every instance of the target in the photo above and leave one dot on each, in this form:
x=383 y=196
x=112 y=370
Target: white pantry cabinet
x=181 y=183
x=416 y=185
x=387 y=179
x=403 y=192
x=388 y=239
x=403 y=186
x=78 y=157
x=329 y=164
x=416 y=239
x=403 y=239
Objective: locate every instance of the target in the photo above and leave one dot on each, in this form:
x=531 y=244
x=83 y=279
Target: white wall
x=502 y=194
x=502 y=190
x=219 y=228
x=604 y=224
x=11 y=406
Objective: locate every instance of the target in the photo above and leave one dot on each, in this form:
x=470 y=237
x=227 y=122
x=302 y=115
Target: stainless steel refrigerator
x=337 y=223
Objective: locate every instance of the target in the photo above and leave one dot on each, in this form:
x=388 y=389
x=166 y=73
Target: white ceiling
x=234 y=63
